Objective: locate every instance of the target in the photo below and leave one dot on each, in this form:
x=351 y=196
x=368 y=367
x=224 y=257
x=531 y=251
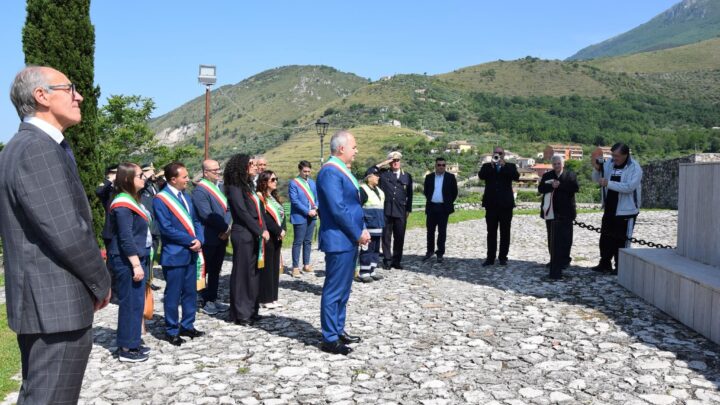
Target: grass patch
x=2 y=279
x=243 y=370
x=9 y=356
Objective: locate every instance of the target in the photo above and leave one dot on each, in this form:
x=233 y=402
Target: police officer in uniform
x=397 y=186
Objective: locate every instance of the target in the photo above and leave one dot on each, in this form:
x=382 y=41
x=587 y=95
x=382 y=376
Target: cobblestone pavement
x=435 y=334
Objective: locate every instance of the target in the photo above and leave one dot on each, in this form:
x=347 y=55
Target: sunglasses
x=274 y=180
x=440 y=165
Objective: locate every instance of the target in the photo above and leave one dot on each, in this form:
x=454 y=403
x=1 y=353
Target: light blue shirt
x=437 y=193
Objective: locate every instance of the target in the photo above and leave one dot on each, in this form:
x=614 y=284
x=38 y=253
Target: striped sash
x=261 y=247
x=214 y=191
x=305 y=187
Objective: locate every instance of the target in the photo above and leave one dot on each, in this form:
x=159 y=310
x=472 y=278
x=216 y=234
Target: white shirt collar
x=44 y=126
x=173 y=190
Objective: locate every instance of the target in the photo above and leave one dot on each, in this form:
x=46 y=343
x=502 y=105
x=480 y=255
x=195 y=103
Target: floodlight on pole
x=321 y=125
x=207 y=76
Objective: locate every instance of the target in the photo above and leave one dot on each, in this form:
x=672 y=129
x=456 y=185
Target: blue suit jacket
x=211 y=214
x=299 y=203
x=129 y=233
x=175 y=239
x=341 y=217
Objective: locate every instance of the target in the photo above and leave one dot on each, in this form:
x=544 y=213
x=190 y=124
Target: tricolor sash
x=124 y=200
x=305 y=187
x=182 y=215
x=274 y=209
x=340 y=165
x=214 y=191
x=261 y=247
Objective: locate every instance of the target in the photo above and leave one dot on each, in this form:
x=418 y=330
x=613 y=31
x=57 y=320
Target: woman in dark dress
x=247 y=233
x=275 y=222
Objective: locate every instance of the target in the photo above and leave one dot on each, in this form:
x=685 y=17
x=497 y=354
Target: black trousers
x=269 y=281
x=214 y=257
x=614 y=233
x=53 y=366
x=394 y=231
x=437 y=217
x=560 y=237
x=245 y=276
x=493 y=218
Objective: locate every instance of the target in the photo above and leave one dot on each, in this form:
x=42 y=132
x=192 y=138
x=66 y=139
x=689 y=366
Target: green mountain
x=686 y=22
x=258 y=112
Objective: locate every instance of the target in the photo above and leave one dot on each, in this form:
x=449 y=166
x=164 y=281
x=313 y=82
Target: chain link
x=633 y=240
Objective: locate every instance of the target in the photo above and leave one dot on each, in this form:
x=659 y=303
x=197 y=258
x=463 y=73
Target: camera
x=600 y=161
x=496 y=158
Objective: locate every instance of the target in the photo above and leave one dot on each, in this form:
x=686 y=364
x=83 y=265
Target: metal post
x=321 y=149
x=207 y=122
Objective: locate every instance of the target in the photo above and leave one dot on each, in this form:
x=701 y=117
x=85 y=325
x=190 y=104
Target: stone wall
x=660 y=180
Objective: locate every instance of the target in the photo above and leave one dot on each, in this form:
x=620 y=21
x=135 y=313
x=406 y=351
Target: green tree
x=123 y=131
x=2 y=145
x=58 y=33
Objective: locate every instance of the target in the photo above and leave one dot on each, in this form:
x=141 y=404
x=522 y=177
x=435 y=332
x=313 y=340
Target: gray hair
x=557 y=158
x=23 y=87
x=338 y=139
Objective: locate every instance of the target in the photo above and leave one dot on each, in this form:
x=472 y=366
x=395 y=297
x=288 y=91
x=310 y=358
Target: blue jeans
x=131 y=301
x=302 y=239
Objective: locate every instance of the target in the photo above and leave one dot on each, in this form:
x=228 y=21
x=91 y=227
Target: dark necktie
x=182 y=200
x=68 y=150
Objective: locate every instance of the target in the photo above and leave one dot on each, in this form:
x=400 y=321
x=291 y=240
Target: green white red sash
x=214 y=191
x=124 y=200
x=261 y=248
x=305 y=187
x=182 y=215
x=340 y=165
x=273 y=208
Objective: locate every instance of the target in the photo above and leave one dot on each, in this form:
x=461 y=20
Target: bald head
x=211 y=170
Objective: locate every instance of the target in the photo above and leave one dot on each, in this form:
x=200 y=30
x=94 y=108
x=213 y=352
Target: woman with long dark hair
x=128 y=253
x=248 y=236
x=275 y=223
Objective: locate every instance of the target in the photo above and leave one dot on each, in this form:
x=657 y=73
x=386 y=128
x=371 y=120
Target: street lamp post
x=321 y=125
x=208 y=78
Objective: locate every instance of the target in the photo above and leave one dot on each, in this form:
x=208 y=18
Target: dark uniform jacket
x=398 y=193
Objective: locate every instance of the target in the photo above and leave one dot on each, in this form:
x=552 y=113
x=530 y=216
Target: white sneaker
x=209 y=308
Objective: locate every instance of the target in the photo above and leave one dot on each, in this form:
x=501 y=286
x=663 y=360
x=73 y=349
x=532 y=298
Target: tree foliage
x=59 y=34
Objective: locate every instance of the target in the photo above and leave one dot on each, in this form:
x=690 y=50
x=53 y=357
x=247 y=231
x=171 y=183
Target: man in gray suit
x=55 y=278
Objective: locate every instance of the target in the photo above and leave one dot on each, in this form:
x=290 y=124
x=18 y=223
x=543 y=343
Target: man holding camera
x=499 y=201
x=620 y=179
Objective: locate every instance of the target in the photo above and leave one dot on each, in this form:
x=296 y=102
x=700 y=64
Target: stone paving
x=435 y=334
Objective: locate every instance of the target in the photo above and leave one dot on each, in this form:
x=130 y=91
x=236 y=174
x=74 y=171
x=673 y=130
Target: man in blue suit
x=181 y=235
x=303 y=216
x=211 y=207
x=341 y=231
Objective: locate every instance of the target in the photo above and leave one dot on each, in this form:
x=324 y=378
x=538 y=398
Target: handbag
x=149 y=303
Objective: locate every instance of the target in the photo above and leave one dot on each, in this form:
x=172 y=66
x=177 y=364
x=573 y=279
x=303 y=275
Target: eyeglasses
x=69 y=87
x=440 y=164
x=141 y=176
x=273 y=180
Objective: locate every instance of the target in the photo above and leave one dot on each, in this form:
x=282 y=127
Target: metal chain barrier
x=633 y=240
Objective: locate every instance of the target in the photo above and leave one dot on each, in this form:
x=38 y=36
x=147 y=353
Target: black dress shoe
x=336 y=347
x=502 y=262
x=174 y=340
x=347 y=339
x=601 y=268
x=243 y=322
x=397 y=266
x=386 y=265
x=488 y=262
x=440 y=259
x=192 y=333
x=257 y=318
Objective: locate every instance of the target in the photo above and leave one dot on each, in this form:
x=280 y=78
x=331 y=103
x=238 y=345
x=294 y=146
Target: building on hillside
x=607 y=153
x=528 y=177
x=459 y=146
x=524 y=163
x=541 y=168
x=569 y=152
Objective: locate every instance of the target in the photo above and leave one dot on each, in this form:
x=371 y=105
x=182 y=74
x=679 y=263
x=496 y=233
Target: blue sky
x=153 y=48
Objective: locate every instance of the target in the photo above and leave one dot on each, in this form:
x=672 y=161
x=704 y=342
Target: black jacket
x=449 y=191
x=498 y=185
x=105 y=193
x=398 y=193
x=564 y=198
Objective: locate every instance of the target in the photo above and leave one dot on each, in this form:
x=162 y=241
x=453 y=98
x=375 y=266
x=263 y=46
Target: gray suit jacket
x=53 y=267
